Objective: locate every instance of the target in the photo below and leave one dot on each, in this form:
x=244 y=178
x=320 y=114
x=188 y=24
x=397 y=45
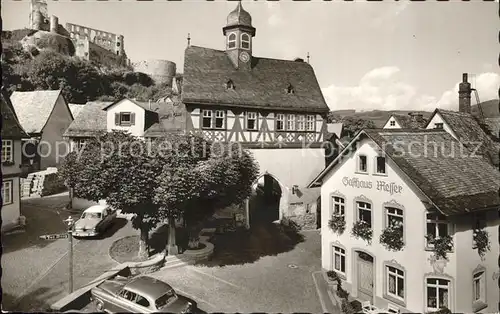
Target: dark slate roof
x=455 y=183
x=470 y=133
x=34 y=108
x=407 y=122
x=90 y=121
x=206 y=72
x=11 y=128
x=164 y=117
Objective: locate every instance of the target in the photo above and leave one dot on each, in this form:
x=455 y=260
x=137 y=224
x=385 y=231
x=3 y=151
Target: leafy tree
x=196 y=181
x=352 y=125
x=69 y=171
x=118 y=169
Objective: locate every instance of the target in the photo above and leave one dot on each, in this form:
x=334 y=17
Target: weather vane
x=308 y=57
x=189 y=39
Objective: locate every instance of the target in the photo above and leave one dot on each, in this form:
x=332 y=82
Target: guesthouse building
x=410 y=219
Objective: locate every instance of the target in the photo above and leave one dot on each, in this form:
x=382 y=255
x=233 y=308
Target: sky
x=385 y=55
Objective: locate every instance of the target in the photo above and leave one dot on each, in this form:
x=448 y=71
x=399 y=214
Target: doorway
x=265 y=200
x=365 y=276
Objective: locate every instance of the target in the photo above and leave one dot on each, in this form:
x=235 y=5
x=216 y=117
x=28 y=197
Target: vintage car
x=94 y=221
x=142 y=294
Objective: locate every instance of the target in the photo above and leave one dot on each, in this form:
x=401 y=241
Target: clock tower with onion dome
x=239 y=33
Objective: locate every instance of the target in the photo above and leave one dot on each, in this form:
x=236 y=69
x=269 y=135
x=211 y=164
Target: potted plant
x=392 y=237
x=481 y=241
x=362 y=230
x=337 y=224
x=442 y=245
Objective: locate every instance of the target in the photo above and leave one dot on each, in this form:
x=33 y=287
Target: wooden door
x=365 y=279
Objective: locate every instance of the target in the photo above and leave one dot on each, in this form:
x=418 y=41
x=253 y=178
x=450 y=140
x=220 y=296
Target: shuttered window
x=125 y=118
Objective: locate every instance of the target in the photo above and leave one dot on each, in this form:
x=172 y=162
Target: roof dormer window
x=229 y=84
x=231 y=41
x=245 y=41
x=290 y=89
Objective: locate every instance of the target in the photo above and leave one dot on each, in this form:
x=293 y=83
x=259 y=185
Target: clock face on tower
x=244 y=56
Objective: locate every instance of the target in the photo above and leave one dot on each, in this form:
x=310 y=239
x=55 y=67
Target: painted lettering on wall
x=379 y=185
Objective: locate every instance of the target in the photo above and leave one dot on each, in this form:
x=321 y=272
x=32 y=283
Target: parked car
x=94 y=221
x=142 y=294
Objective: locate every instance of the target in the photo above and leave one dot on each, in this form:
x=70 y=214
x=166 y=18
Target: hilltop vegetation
x=80 y=80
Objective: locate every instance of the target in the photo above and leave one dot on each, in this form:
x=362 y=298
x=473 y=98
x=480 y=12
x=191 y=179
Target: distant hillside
x=490 y=108
x=379 y=117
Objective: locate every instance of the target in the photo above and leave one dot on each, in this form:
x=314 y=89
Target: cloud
x=382 y=89
x=486 y=84
x=275 y=17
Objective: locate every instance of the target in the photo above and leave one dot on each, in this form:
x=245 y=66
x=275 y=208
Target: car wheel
x=99 y=305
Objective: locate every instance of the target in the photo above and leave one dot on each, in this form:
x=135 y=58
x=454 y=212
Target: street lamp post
x=70 y=222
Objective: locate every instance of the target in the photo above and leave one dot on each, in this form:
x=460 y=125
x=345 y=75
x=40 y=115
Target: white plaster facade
x=414 y=258
x=136 y=127
x=392 y=123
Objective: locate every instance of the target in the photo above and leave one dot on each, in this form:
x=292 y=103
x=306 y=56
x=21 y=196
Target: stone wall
x=304 y=215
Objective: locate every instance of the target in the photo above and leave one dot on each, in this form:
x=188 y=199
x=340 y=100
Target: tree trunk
x=143 y=243
x=71 y=193
x=172 y=246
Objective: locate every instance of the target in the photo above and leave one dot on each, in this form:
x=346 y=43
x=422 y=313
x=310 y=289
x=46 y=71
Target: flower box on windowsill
x=337 y=224
x=392 y=238
x=440 y=246
x=361 y=230
x=480 y=241
x=7 y=163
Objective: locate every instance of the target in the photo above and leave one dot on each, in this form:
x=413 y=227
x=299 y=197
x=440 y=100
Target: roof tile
x=34 y=108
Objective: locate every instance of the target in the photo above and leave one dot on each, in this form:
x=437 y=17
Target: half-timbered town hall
x=273 y=107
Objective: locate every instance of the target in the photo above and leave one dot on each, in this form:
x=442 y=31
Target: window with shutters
x=125 y=118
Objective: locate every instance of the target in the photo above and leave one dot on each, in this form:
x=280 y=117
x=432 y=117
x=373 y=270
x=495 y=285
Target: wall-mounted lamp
x=295 y=188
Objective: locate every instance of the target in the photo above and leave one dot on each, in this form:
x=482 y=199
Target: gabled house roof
x=166 y=117
x=454 y=183
x=264 y=86
x=161 y=118
x=90 y=121
x=407 y=121
x=75 y=109
x=34 y=108
x=469 y=132
x=11 y=128
x=494 y=126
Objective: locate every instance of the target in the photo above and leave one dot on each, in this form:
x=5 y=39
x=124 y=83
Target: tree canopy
x=80 y=80
x=173 y=177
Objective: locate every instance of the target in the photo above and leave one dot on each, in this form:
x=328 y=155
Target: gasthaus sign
x=380 y=185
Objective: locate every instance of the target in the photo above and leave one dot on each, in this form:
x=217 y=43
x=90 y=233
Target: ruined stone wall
x=106 y=40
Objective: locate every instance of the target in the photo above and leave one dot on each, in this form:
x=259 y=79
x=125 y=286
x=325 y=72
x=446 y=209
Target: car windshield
x=165 y=299
x=91 y=215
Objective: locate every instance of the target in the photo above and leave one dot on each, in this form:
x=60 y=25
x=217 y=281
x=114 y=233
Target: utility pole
x=70 y=222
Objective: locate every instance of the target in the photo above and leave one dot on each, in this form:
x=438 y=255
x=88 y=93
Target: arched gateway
x=267 y=200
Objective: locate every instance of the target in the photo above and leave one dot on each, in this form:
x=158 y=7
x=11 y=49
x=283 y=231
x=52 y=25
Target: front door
x=365 y=277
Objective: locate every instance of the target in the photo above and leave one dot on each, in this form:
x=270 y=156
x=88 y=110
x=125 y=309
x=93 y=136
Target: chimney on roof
x=149 y=103
x=464 y=94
